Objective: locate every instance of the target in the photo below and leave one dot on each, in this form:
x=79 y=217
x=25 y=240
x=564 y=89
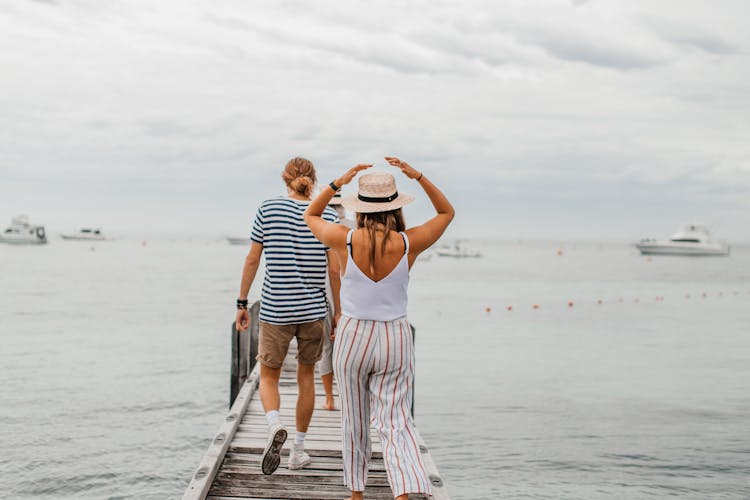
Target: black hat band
x=371 y=199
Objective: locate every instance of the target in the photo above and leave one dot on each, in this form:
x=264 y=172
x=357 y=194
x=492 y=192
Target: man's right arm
x=249 y=270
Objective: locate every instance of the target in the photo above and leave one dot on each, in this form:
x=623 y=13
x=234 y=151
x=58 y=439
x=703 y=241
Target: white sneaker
x=271 y=457
x=297 y=457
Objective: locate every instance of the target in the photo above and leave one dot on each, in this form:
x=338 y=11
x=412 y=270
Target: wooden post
x=244 y=350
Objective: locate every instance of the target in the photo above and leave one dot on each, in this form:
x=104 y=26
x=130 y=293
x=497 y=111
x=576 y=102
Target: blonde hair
x=299 y=176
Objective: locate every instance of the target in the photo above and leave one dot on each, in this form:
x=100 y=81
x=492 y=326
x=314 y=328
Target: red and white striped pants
x=374 y=368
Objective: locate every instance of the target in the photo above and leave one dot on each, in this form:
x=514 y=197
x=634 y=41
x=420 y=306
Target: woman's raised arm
x=423 y=237
x=331 y=235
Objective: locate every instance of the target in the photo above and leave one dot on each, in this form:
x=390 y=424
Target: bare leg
x=306 y=398
x=269 y=388
x=327 y=380
x=357 y=495
x=402 y=497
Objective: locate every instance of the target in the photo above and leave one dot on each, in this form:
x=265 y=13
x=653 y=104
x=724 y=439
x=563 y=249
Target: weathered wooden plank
x=330 y=492
x=209 y=465
x=439 y=491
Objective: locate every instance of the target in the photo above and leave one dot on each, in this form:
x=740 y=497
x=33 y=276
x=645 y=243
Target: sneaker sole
x=271 y=455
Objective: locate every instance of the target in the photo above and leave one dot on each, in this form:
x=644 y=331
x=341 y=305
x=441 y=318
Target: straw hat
x=336 y=200
x=377 y=193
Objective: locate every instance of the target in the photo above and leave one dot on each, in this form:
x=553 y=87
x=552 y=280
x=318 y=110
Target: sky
x=540 y=119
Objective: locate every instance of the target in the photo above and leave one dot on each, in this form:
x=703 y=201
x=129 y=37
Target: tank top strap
x=406 y=242
x=349 y=242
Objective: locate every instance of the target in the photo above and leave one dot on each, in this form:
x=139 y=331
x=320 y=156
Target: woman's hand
x=408 y=170
x=334 y=324
x=351 y=173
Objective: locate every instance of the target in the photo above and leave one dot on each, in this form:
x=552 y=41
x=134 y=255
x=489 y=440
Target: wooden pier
x=230 y=469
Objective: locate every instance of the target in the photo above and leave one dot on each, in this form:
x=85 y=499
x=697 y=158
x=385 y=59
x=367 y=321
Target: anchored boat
x=22 y=232
x=458 y=249
x=691 y=239
x=86 y=234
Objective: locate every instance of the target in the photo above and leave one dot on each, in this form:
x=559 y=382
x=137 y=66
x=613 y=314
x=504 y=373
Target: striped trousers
x=374 y=368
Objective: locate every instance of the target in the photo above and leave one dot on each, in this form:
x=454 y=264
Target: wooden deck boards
x=231 y=468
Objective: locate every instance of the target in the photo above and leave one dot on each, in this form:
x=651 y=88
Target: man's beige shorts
x=273 y=343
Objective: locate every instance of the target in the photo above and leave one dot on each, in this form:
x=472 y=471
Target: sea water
x=611 y=376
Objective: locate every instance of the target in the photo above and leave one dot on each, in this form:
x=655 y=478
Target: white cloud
x=201 y=102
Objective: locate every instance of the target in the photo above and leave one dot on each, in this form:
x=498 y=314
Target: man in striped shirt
x=293 y=304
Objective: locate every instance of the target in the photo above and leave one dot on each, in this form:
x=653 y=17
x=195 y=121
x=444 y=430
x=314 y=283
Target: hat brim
x=351 y=202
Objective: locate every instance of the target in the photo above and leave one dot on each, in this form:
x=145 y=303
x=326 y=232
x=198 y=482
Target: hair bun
x=302 y=185
x=299 y=175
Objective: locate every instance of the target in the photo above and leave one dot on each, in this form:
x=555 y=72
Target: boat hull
x=683 y=250
x=458 y=255
x=70 y=237
x=23 y=241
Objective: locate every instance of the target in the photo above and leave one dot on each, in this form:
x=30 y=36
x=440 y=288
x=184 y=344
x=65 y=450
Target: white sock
x=273 y=417
x=299 y=438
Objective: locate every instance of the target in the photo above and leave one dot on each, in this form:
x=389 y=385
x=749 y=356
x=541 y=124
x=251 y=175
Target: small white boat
x=457 y=250
x=238 y=241
x=691 y=239
x=85 y=234
x=22 y=232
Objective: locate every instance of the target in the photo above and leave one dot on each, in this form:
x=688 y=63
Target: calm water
x=114 y=369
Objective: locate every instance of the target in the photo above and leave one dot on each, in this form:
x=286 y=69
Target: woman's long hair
x=392 y=220
x=299 y=175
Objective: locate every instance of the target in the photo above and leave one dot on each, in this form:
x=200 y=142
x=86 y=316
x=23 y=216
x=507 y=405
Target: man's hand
x=242 y=320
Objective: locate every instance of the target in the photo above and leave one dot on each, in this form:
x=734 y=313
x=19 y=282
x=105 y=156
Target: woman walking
x=373 y=352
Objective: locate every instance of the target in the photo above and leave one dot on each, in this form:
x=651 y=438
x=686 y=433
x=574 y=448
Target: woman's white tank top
x=384 y=300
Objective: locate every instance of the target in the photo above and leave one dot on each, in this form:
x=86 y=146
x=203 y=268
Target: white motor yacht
x=22 y=232
x=691 y=239
x=85 y=234
x=458 y=250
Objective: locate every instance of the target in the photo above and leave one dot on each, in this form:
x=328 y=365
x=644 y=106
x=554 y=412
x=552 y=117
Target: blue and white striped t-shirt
x=294 y=288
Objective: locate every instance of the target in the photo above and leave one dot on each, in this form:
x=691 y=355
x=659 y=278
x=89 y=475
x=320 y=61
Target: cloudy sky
x=541 y=119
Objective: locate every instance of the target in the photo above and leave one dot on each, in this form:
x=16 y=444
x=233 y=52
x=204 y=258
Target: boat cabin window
x=9 y=230
x=686 y=240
